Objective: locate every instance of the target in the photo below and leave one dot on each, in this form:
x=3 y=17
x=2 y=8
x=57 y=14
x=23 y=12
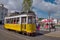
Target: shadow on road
x=42 y=33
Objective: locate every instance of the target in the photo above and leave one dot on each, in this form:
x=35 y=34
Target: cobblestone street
x=11 y=35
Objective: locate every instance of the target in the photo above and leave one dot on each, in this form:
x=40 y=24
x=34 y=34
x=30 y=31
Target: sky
x=40 y=7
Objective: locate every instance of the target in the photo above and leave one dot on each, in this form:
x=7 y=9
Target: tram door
x=23 y=24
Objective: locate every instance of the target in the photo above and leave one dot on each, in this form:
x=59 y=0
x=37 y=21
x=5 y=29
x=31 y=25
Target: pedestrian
x=38 y=27
x=53 y=27
x=46 y=26
x=50 y=26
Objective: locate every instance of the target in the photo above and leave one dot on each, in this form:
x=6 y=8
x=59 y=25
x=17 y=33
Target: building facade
x=3 y=13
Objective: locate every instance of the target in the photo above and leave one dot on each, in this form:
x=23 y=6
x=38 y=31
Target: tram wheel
x=24 y=33
x=20 y=32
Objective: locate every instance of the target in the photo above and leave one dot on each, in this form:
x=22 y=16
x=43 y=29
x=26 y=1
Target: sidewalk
x=54 y=34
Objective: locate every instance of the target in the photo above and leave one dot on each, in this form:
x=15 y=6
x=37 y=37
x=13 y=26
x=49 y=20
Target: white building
x=55 y=21
x=3 y=13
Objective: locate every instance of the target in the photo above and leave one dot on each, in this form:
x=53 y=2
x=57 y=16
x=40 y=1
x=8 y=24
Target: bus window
x=29 y=20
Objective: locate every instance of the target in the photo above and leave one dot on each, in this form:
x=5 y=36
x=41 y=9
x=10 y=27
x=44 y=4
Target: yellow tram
x=25 y=23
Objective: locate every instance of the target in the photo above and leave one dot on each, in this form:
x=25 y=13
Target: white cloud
x=57 y=1
x=12 y=4
x=57 y=14
x=47 y=6
x=40 y=4
x=4 y=1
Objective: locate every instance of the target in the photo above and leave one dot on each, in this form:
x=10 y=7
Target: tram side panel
x=12 y=24
x=30 y=28
x=16 y=27
x=23 y=29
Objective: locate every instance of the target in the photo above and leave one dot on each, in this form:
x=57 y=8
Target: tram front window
x=29 y=20
x=34 y=20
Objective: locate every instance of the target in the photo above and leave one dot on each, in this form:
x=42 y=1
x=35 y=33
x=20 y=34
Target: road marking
x=15 y=35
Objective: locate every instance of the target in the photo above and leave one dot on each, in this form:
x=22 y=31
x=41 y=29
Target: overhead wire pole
x=49 y=14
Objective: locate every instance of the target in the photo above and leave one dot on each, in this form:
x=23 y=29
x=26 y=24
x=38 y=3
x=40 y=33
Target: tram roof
x=28 y=13
x=23 y=13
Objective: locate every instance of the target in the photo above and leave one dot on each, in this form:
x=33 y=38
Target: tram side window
x=7 y=20
x=23 y=19
x=16 y=20
x=11 y=20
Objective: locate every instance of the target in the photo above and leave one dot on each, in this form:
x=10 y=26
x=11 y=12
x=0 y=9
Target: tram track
x=13 y=35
